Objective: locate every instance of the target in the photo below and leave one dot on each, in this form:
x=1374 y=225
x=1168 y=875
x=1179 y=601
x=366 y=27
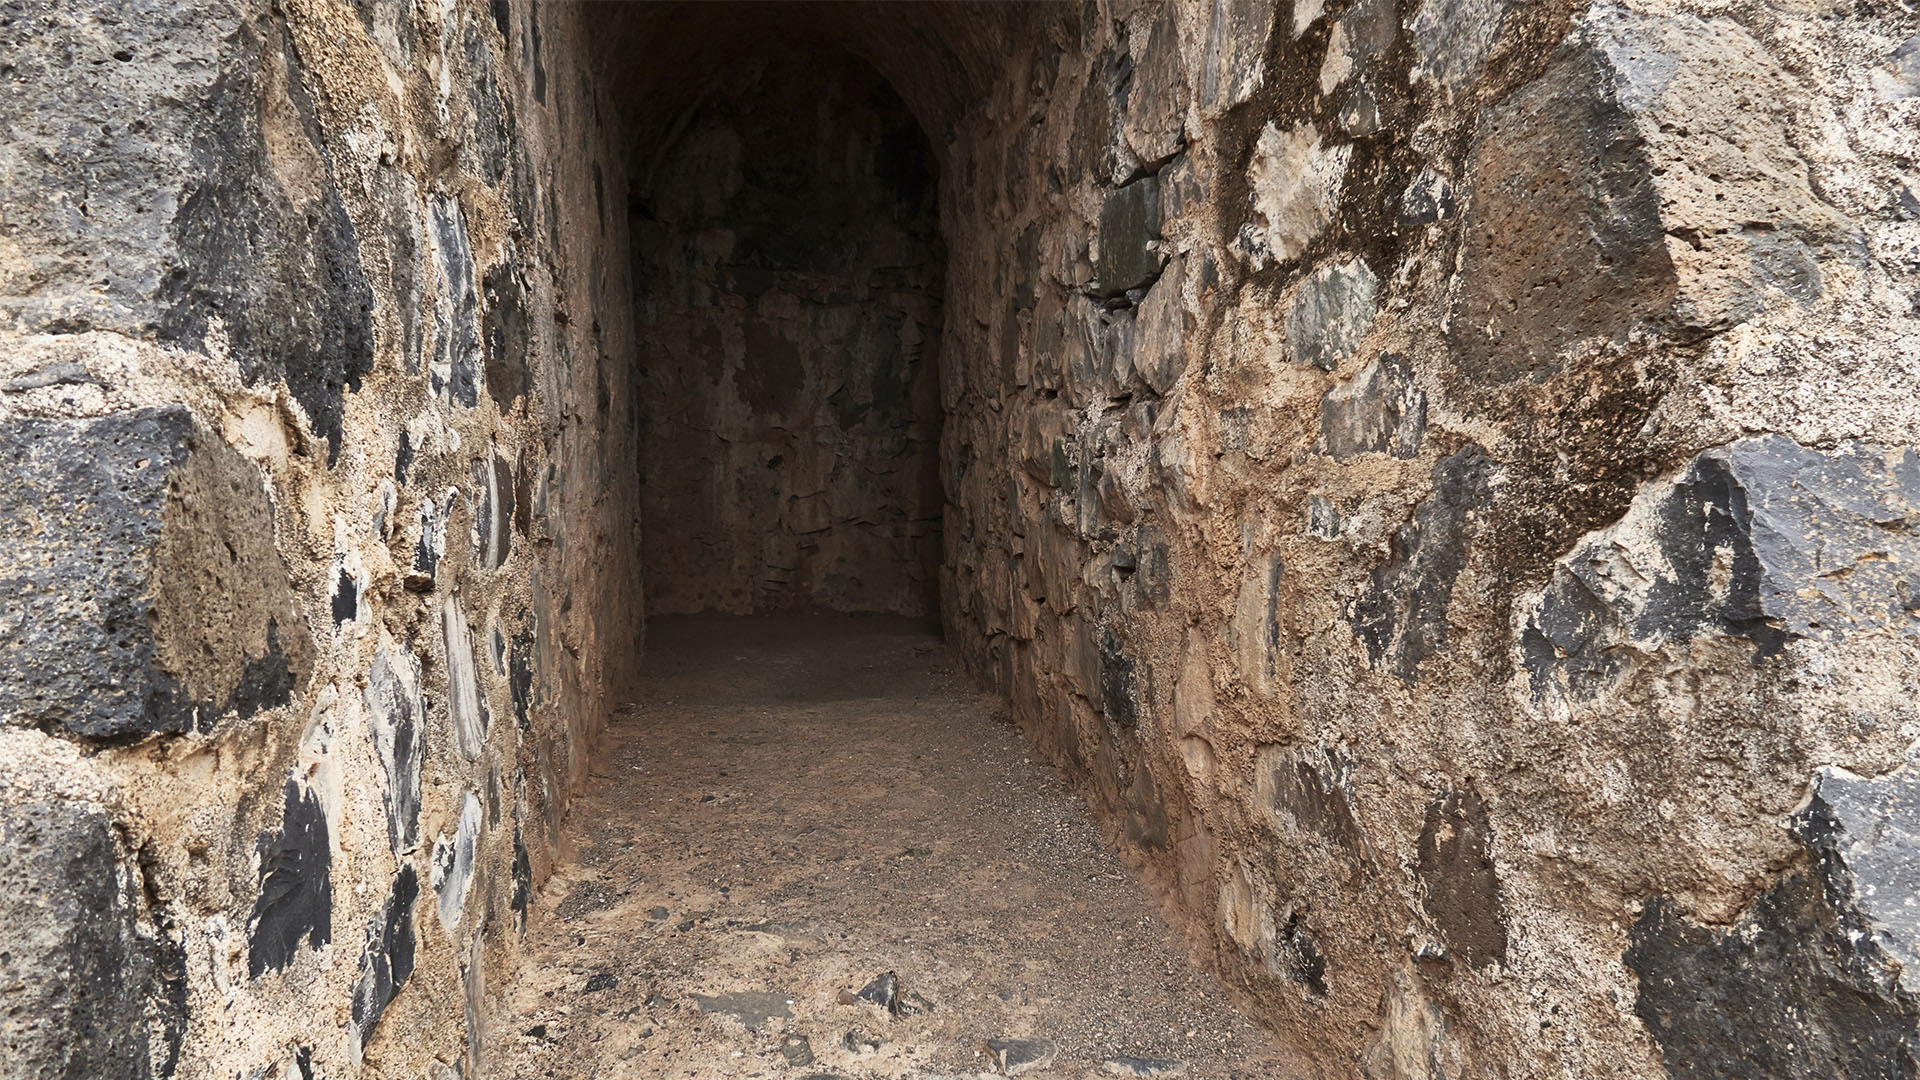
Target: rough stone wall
x=788 y=268
x=1441 y=474
x=316 y=435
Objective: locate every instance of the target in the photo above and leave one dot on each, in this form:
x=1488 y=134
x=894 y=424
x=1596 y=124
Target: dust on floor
x=815 y=850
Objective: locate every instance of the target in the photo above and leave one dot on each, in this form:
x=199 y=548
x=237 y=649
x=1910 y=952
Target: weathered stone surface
x=1453 y=38
x=1380 y=411
x=1869 y=831
x=386 y=960
x=1332 y=311
x=294 y=909
x=398 y=715
x=492 y=511
x=1233 y=54
x=87 y=987
x=1296 y=180
x=456 y=369
x=1129 y=234
x=116 y=621
x=1763 y=540
x=1460 y=886
x=453 y=863
x=467 y=711
x=1401 y=615
x=1787 y=991
x=1559 y=170
x=1154 y=102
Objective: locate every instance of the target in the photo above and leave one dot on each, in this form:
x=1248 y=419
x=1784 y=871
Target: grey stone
x=89 y=994
x=493 y=511
x=1154 y=103
x=1119 y=688
x=1379 y=411
x=294 y=909
x=1016 y=1056
x=467 y=711
x=1763 y=539
x=1429 y=199
x=1401 y=614
x=507 y=336
x=1454 y=37
x=1559 y=170
x=1129 y=233
x=797 y=1049
x=1160 y=349
x=1788 y=990
x=398 y=716
x=429 y=546
x=753 y=1008
x=1234 y=52
x=453 y=863
x=62 y=373
x=386 y=960
x=456 y=369
x=1870 y=828
x=116 y=621
x=1331 y=312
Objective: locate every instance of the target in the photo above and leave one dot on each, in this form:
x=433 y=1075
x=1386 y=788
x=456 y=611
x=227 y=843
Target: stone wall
x=1439 y=474
x=1456 y=522
x=317 y=433
x=788 y=270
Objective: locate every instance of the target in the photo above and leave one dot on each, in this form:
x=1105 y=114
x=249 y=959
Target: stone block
x=141 y=588
x=1331 y=313
x=1762 y=539
x=1129 y=236
x=294 y=909
x=88 y=992
x=1380 y=411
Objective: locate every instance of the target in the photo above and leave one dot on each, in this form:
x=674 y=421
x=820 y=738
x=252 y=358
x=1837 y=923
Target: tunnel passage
x=787 y=277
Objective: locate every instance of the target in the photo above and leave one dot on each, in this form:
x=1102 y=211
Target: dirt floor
x=799 y=807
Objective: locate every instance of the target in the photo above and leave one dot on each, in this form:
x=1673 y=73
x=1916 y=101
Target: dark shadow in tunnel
x=788 y=270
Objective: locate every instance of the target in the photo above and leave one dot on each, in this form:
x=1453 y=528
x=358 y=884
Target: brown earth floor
x=797 y=806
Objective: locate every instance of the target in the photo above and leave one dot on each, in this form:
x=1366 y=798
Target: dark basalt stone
x=1118 y=689
x=1786 y=992
x=141 y=588
x=90 y=993
x=387 y=959
x=1129 y=226
x=506 y=337
x=520 y=679
x=1461 y=886
x=1401 y=615
x=295 y=906
x=522 y=872
x=282 y=278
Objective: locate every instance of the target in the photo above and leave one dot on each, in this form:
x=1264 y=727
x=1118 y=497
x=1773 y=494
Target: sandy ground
x=797 y=807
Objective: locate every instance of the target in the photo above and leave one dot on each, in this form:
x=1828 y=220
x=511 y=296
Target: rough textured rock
x=144 y=593
x=84 y=976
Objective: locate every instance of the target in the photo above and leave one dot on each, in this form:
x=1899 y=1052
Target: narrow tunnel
x=1364 y=538
x=787 y=269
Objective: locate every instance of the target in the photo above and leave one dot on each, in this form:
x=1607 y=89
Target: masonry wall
x=1438 y=475
x=1456 y=521
x=317 y=433
x=788 y=267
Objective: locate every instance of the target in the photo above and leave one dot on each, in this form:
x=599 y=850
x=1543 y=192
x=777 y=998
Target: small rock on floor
x=753 y=1008
x=797 y=1049
x=1015 y=1056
